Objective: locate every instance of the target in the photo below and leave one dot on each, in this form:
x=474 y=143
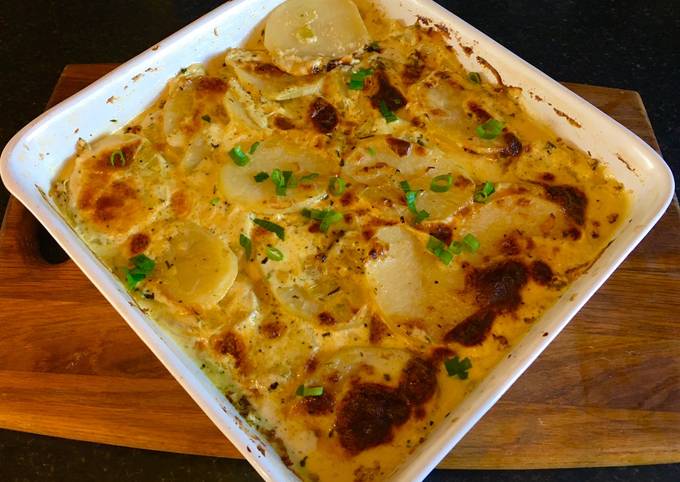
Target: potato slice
x=199 y=268
x=113 y=185
x=238 y=185
x=303 y=35
x=413 y=288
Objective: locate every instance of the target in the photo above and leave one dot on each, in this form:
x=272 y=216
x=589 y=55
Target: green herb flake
x=441 y=183
x=246 y=244
x=139 y=268
x=475 y=78
x=411 y=197
x=386 y=112
x=239 y=157
x=456 y=367
x=215 y=201
x=206 y=118
x=470 y=243
x=271 y=227
x=254 y=147
x=117 y=157
x=303 y=391
x=307 y=178
x=356 y=80
x=490 y=129
x=279 y=181
x=326 y=217
x=439 y=249
x=261 y=176
x=373 y=47
x=336 y=186
x=482 y=195
x=371 y=150
x=273 y=253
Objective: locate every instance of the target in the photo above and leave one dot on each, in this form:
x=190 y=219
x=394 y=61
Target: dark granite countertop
x=616 y=43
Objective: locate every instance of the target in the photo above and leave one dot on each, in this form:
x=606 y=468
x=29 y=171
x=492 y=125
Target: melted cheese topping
x=363 y=308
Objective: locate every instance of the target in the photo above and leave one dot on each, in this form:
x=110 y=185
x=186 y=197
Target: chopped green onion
x=439 y=249
x=261 y=176
x=279 y=181
x=272 y=227
x=411 y=202
x=331 y=218
x=386 y=112
x=240 y=158
x=456 y=247
x=246 y=244
x=371 y=150
x=289 y=179
x=357 y=79
x=214 y=201
x=303 y=391
x=142 y=266
x=273 y=253
x=325 y=216
x=254 y=147
x=206 y=118
x=475 y=78
x=441 y=183
x=483 y=194
x=470 y=243
x=457 y=367
x=490 y=129
x=308 y=177
x=336 y=185
x=117 y=155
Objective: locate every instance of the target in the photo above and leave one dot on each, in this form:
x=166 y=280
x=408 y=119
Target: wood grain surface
x=606 y=392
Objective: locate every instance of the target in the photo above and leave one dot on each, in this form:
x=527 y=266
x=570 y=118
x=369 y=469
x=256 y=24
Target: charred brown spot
x=399 y=146
x=108 y=206
x=612 y=218
x=377 y=330
x=325 y=318
x=573 y=200
x=414 y=68
x=367 y=416
x=513 y=146
x=367 y=234
x=268 y=69
x=139 y=243
x=498 y=286
x=323 y=404
x=133 y=129
x=347 y=198
x=311 y=364
x=418 y=381
x=442 y=232
x=387 y=94
x=473 y=330
x=573 y=233
x=273 y=329
x=211 y=84
x=479 y=112
x=323 y=115
x=283 y=123
x=462 y=181
x=541 y=272
x=231 y=344
x=510 y=246
x=440 y=354
x=548 y=176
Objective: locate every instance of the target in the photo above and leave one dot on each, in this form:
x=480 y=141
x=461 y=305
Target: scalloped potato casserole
x=345 y=228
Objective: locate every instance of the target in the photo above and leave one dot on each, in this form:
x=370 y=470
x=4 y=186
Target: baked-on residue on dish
x=345 y=245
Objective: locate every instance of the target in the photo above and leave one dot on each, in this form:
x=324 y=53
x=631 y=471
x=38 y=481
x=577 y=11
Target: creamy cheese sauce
x=363 y=291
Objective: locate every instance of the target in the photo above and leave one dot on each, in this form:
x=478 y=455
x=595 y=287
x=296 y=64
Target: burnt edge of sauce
x=323 y=404
x=572 y=199
x=498 y=290
x=442 y=232
x=231 y=344
x=139 y=243
x=513 y=146
x=323 y=115
x=413 y=68
x=387 y=93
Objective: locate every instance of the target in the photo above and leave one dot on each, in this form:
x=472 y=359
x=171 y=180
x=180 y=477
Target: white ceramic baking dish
x=33 y=157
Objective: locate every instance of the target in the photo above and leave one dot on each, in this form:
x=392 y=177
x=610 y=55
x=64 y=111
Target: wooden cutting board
x=606 y=392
